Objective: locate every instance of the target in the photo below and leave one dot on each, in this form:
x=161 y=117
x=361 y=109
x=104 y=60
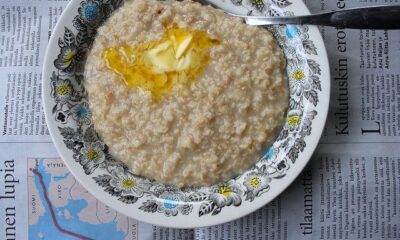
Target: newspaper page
x=39 y=198
x=365 y=79
x=350 y=189
x=342 y=194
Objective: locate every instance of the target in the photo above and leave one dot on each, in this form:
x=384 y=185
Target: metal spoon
x=378 y=17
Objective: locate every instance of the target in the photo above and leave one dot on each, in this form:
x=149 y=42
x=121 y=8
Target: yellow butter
x=157 y=66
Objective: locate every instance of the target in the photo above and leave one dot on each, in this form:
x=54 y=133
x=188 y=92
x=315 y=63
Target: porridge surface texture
x=201 y=134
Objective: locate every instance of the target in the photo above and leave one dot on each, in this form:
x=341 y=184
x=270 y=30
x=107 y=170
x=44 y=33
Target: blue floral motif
x=91 y=11
x=82 y=113
x=91 y=15
x=170 y=202
x=292 y=31
x=268 y=154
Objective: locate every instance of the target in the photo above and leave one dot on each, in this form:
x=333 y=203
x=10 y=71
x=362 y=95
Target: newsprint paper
x=350 y=189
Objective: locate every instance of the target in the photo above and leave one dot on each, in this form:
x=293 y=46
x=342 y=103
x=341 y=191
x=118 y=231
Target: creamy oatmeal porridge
x=183 y=93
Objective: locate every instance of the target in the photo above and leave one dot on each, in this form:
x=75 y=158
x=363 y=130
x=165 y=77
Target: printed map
x=60 y=208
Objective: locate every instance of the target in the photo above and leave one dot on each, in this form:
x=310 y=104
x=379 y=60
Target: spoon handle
x=380 y=17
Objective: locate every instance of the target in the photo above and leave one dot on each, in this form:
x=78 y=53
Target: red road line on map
x=53 y=216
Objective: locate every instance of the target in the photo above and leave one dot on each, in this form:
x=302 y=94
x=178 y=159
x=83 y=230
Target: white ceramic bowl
x=68 y=119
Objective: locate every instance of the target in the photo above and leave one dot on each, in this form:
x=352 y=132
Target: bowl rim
x=182 y=221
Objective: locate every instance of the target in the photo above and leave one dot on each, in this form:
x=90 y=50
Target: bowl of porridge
x=183 y=93
x=170 y=110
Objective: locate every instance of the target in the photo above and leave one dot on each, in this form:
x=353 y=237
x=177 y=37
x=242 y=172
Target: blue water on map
x=45 y=229
x=59 y=178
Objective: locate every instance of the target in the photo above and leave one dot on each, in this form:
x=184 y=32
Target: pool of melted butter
x=158 y=66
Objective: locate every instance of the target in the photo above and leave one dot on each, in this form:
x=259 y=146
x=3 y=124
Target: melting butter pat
x=181 y=46
x=178 y=58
